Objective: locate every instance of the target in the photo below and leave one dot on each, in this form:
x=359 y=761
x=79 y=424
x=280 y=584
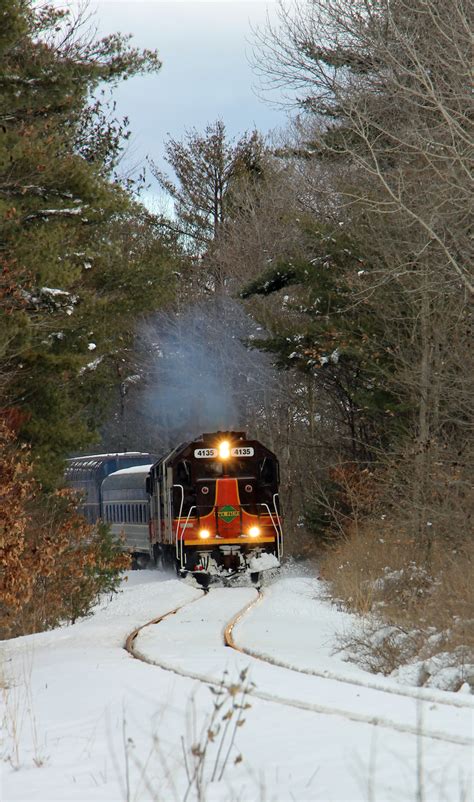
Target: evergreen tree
x=209 y=170
x=326 y=331
x=80 y=259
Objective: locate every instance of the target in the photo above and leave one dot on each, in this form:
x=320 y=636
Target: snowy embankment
x=83 y=720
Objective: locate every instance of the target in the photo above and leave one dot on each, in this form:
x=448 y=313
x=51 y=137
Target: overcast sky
x=204 y=47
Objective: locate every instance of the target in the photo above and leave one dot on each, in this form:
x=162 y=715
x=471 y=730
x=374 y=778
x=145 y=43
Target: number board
x=242 y=451
x=211 y=453
x=205 y=453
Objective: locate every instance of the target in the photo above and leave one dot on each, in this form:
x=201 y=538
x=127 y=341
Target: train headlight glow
x=224 y=450
x=254 y=531
x=204 y=534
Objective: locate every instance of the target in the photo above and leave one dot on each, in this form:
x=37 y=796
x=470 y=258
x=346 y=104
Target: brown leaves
x=52 y=563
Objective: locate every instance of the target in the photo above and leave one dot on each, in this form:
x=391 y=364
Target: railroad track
x=421 y=695
x=229 y=641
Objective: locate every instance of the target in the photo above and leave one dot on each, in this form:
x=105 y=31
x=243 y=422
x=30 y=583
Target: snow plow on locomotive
x=210 y=506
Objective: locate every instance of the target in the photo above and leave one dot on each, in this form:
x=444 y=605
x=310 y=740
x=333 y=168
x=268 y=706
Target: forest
x=315 y=290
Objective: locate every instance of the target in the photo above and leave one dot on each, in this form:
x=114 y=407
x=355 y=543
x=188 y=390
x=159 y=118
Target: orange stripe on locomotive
x=227 y=521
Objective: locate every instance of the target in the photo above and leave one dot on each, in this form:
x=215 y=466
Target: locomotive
x=209 y=506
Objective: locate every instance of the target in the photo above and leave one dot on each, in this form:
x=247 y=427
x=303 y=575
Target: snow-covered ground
x=84 y=720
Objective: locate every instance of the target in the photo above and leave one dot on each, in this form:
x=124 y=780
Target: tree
x=394 y=87
x=324 y=333
x=76 y=248
x=207 y=166
x=386 y=88
x=53 y=565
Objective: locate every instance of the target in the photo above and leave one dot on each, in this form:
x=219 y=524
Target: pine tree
x=326 y=331
x=205 y=166
x=80 y=259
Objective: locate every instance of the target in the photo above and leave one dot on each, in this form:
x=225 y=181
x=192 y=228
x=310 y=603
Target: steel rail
x=360 y=718
x=129 y=644
x=422 y=695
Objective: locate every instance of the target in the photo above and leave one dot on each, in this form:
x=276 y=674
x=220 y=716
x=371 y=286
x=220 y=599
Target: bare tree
x=392 y=80
x=386 y=88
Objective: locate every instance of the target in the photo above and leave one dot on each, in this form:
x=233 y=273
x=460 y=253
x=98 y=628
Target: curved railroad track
x=131 y=638
x=228 y=640
x=422 y=695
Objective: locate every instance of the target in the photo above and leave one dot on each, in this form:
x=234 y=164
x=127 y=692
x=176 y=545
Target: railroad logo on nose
x=228 y=513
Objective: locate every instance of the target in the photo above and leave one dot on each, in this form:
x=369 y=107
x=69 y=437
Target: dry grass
x=18 y=716
x=208 y=751
x=426 y=607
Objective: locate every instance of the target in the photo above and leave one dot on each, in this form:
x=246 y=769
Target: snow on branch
x=45 y=214
x=32 y=189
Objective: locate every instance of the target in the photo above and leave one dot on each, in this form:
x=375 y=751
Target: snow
x=263 y=562
x=334 y=358
x=94 y=724
x=134 y=379
x=91 y=365
x=58 y=212
x=54 y=292
x=445 y=670
x=58 y=297
x=116 y=454
x=133 y=469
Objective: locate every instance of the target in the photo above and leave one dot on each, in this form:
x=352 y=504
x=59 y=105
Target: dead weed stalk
x=419 y=606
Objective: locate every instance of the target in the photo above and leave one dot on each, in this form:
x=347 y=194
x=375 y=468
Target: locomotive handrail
x=180 y=540
x=181 y=527
x=277 y=532
x=180 y=511
x=280 y=545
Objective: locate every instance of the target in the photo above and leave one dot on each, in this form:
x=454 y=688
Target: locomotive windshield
x=215 y=468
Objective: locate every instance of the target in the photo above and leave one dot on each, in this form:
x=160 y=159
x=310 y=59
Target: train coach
x=209 y=506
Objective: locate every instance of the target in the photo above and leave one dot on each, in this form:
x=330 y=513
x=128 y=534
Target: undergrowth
x=53 y=564
x=414 y=607
x=208 y=751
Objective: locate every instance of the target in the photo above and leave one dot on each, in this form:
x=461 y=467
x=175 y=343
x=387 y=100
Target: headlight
x=224 y=450
x=204 y=534
x=254 y=531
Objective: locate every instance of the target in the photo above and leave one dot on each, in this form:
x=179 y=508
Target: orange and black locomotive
x=215 y=507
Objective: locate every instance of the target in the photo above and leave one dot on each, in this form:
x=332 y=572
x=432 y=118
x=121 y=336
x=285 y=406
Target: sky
x=206 y=75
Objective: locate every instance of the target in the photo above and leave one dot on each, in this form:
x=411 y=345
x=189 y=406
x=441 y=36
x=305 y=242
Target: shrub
x=53 y=565
x=425 y=606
